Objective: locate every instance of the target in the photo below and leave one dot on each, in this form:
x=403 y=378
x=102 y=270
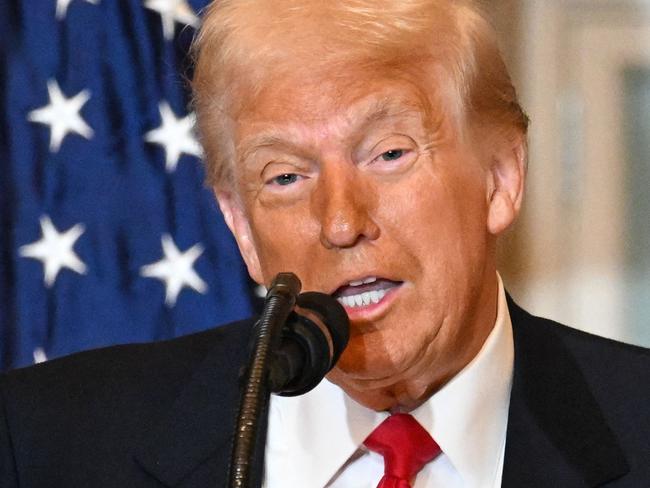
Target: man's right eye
x=285 y=179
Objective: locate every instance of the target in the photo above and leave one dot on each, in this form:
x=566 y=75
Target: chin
x=369 y=365
x=379 y=395
x=361 y=360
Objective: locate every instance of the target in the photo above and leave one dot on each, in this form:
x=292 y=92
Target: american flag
x=107 y=234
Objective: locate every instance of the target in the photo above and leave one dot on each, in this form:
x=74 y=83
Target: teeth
x=365 y=281
x=362 y=299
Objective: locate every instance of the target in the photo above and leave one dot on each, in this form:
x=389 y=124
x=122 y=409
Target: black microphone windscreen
x=333 y=317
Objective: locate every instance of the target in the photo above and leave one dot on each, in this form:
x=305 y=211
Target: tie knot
x=404 y=444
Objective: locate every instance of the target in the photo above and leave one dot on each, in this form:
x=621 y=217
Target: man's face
x=366 y=190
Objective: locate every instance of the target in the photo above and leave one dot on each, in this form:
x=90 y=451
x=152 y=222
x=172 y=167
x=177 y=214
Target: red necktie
x=405 y=446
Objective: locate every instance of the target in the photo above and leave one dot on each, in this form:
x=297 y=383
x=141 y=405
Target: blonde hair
x=244 y=45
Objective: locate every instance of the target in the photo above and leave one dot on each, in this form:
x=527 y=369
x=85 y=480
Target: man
x=377 y=150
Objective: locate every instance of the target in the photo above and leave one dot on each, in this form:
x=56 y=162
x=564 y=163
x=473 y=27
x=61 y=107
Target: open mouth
x=365 y=292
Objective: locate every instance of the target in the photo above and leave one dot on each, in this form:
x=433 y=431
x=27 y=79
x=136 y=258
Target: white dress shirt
x=316 y=440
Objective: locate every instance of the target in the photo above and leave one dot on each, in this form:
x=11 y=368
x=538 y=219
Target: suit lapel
x=557 y=434
x=189 y=445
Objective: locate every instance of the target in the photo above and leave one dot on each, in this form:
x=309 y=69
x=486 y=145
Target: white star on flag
x=176 y=270
x=172 y=11
x=62 y=115
x=55 y=250
x=62 y=7
x=175 y=135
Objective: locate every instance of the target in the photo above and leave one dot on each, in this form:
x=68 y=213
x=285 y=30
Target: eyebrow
x=269 y=138
x=385 y=108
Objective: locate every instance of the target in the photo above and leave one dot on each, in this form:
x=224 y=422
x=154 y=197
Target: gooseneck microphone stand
x=279 y=303
x=296 y=341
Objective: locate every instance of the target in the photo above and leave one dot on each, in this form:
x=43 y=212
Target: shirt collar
x=467 y=418
x=307 y=442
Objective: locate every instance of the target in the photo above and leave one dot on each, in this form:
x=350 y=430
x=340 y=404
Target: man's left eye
x=392 y=155
x=285 y=179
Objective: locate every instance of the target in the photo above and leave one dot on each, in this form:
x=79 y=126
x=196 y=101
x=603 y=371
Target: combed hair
x=243 y=45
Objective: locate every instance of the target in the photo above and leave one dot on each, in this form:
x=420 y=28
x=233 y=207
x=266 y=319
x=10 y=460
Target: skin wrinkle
x=380 y=110
x=410 y=69
x=390 y=379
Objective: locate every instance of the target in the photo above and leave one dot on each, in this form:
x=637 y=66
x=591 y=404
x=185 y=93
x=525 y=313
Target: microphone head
x=333 y=316
x=313 y=338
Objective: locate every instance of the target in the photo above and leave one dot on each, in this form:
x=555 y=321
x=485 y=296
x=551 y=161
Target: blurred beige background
x=580 y=253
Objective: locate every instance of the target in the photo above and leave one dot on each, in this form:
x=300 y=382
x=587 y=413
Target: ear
x=505 y=185
x=237 y=222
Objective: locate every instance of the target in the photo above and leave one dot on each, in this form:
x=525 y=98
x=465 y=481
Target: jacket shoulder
x=88 y=409
x=103 y=378
x=593 y=352
x=579 y=401
x=151 y=362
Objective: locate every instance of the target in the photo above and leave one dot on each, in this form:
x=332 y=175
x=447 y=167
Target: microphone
x=296 y=341
x=312 y=340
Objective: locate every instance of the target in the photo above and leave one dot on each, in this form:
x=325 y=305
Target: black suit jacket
x=162 y=414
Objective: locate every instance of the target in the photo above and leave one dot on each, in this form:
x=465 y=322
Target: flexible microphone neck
x=278 y=304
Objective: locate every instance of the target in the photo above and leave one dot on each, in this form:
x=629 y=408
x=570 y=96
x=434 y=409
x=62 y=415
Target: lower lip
x=372 y=311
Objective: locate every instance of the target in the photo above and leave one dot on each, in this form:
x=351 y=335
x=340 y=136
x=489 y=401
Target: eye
x=285 y=179
x=392 y=154
x=394 y=157
x=389 y=153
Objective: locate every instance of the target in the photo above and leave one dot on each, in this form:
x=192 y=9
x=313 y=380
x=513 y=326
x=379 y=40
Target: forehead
x=336 y=106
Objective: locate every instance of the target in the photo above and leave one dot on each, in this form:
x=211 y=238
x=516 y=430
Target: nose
x=343 y=203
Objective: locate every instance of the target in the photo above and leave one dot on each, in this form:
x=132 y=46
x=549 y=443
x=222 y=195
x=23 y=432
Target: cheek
x=438 y=221
x=435 y=203
x=454 y=208
x=285 y=239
